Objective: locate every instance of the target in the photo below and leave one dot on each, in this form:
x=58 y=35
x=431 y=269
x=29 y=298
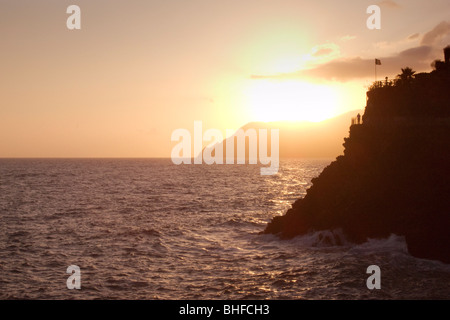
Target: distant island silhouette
x=394 y=175
x=301 y=139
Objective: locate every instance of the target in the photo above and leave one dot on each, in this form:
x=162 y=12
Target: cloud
x=323 y=52
x=417 y=53
x=326 y=49
x=419 y=58
x=347 y=38
x=414 y=36
x=440 y=31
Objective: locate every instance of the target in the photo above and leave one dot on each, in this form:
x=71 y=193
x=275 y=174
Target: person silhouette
x=359 y=118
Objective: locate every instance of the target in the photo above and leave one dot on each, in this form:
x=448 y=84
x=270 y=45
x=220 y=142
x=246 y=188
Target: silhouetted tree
x=406 y=76
x=438 y=65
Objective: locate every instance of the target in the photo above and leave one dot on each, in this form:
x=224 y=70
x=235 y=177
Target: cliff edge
x=394 y=174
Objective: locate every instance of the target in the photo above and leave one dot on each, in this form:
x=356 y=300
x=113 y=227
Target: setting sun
x=274 y=100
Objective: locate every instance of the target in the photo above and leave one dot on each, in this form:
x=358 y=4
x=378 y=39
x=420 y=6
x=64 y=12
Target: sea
x=145 y=229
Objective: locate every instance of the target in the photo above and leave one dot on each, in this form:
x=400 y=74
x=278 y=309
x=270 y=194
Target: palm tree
x=406 y=76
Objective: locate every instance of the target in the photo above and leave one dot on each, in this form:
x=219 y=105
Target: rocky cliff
x=394 y=177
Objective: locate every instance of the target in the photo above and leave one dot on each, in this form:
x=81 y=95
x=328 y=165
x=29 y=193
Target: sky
x=139 y=69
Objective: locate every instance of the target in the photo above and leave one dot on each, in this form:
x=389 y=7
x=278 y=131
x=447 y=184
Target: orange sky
x=137 y=70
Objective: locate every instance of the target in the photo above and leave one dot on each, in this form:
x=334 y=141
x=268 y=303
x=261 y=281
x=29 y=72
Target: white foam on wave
x=393 y=247
x=393 y=243
x=337 y=238
x=323 y=238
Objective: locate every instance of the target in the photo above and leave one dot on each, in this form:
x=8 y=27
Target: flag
x=377 y=62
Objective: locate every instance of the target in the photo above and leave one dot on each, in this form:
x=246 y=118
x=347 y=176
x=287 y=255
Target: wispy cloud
x=346 y=69
x=323 y=52
x=440 y=31
x=414 y=36
x=354 y=68
x=347 y=38
x=328 y=50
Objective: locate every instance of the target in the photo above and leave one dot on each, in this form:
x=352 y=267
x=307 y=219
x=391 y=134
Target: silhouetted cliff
x=394 y=174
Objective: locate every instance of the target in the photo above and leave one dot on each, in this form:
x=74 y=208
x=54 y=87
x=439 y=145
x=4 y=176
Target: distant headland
x=394 y=175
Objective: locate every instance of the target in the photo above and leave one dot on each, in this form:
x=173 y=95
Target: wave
x=337 y=238
x=236 y=222
x=324 y=238
x=393 y=247
x=393 y=243
x=150 y=232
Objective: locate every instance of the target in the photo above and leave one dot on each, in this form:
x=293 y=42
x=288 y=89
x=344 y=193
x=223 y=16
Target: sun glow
x=286 y=64
x=275 y=100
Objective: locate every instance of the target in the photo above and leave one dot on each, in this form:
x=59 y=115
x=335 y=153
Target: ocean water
x=148 y=229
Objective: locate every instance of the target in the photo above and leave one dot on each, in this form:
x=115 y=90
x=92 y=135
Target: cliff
x=393 y=176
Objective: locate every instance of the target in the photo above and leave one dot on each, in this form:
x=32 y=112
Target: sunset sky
x=139 y=69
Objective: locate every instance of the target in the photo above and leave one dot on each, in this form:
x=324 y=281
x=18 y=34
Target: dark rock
x=393 y=177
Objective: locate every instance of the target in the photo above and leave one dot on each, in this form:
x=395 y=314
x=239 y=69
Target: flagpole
x=375 y=70
x=377 y=62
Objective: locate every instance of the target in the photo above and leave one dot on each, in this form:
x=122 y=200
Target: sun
x=290 y=100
